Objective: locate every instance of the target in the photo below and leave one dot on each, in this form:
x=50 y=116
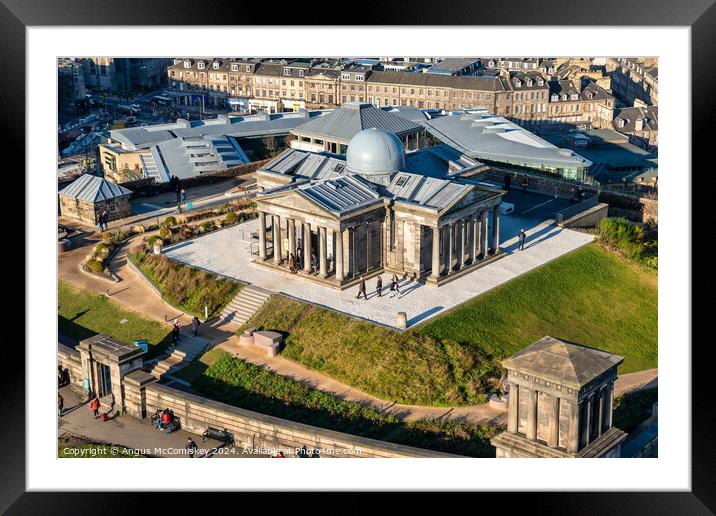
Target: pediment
x=294 y=200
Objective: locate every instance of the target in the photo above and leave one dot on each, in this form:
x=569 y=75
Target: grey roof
x=189 y=157
x=411 y=113
x=345 y=122
x=426 y=191
x=440 y=161
x=649 y=115
x=461 y=82
x=562 y=362
x=93 y=189
x=484 y=136
x=239 y=127
x=307 y=165
x=337 y=195
x=453 y=64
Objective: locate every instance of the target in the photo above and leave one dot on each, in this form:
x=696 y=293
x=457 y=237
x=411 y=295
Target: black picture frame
x=700 y=15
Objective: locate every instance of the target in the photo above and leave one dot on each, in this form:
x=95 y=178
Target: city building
x=497 y=141
x=88 y=196
x=377 y=210
x=530 y=98
x=434 y=91
x=561 y=400
x=456 y=66
x=70 y=84
x=640 y=124
x=581 y=104
x=322 y=87
x=634 y=79
x=122 y=75
x=333 y=131
x=189 y=148
x=353 y=84
x=267 y=87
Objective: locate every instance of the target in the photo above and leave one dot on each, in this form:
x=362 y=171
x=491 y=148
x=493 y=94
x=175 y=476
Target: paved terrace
x=227 y=252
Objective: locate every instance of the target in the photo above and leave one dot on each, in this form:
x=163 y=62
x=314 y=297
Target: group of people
x=394 y=287
x=176 y=327
x=180 y=192
x=103 y=220
x=165 y=420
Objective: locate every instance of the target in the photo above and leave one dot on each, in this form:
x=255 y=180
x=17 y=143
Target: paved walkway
x=545 y=242
x=136 y=434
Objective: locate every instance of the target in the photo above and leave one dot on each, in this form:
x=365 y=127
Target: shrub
x=95 y=265
x=207 y=226
x=100 y=247
x=138 y=229
x=165 y=232
x=230 y=218
x=150 y=242
x=170 y=221
x=186 y=231
x=629 y=239
x=107 y=236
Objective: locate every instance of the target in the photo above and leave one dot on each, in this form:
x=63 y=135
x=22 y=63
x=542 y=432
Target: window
x=248 y=68
x=554 y=97
x=301 y=72
x=359 y=77
x=287 y=72
x=187 y=64
x=216 y=65
x=200 y=65
x=345 y=77
x=234 y=67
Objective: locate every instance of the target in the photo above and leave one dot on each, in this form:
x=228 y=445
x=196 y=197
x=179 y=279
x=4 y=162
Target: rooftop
x=344 y=123
x=483 y=136
x=93 y=189
x=562 y=362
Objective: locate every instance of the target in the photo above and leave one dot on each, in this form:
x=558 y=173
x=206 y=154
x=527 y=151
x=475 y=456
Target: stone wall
x=69 y=358
x=117 y=207
x=255 y=430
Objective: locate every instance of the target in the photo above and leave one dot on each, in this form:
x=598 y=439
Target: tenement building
x=380 y=209
x=561 y=398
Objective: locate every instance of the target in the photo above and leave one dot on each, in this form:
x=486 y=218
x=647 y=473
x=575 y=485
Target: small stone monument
x=402 y=320
x=157 y=247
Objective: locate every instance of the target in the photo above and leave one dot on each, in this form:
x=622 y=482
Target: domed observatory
x=375 y=155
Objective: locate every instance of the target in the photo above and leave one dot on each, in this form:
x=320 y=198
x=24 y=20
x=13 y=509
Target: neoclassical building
x=376 y=210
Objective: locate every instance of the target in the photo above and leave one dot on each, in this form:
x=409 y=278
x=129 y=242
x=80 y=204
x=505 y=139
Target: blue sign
x=142 y=343
x=85 y=384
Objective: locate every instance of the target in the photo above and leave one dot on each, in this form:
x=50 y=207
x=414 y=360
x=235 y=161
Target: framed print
x=277 y=241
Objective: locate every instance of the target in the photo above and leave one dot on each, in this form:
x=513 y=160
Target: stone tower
x=560 y=404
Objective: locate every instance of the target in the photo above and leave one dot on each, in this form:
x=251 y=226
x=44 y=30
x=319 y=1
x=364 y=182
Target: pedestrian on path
x=195 y=326
x=394 y=289
x=522 y=237
x=525 y=183
x=379 y=286
x=191 y=447
x=94 y=406
x=60 y=404
x=183 y=195
x=361 y=288
x=175 y=331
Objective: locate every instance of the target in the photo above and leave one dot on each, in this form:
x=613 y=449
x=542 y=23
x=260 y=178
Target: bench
x=220 y=435
x=269 y=341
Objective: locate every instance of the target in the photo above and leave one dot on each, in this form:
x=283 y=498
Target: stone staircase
x=186 y=350
x=243 y=307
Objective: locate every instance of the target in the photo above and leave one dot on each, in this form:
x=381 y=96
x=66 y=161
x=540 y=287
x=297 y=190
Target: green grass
x=83 y=314
x=233 y=381
x=186 y=288
x=590 y=296
x=633 y=408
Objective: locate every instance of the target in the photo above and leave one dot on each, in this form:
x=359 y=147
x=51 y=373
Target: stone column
x=463 y=234
x=588 y=421
x=496 y=229
x=277 y=252
x=435 y=273
x=322 y=252
x=448 y=256
x=574 y=425
x=471 y=241
x=262 y=235
x=513 y=407
x=553 y=439
x=483 y=233
x=600 y=412
x=610 y=404
x=531 y=432
x=292 y=237
x=306 y=247
x=339 y=255
x=478 y=235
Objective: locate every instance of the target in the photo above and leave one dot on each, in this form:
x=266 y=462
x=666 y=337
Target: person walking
x=395 y=282
x=379 y=286
x=361 y=288
x=94 y=406
x=175 y=331
x=522 y=237
x=183 y=195
x=525 y=183
x=191 y=447
x=195 y=326
x=60 y=404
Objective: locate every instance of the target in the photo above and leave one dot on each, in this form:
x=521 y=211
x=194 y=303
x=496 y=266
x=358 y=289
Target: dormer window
x=345 y=77
x=564 y=96
x=287 y=72
x=359 y=77
x=540 y=82
x=590 y=95
x=621 y=122
x=200 y=65
x=518 y=83
x=554 y=97
x=529 y=83
x=301 y=73
x=234 y=67
x=248 y=68
x=216 y=65
x=574 y=96
x=187 y=64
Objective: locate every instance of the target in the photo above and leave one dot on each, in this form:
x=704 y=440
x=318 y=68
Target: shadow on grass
x=633 y=408
x=332 y=413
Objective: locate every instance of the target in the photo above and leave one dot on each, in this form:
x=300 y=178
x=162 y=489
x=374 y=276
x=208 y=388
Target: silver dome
x=375 y=152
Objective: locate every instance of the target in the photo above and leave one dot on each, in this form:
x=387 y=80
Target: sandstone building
x=88 y=196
